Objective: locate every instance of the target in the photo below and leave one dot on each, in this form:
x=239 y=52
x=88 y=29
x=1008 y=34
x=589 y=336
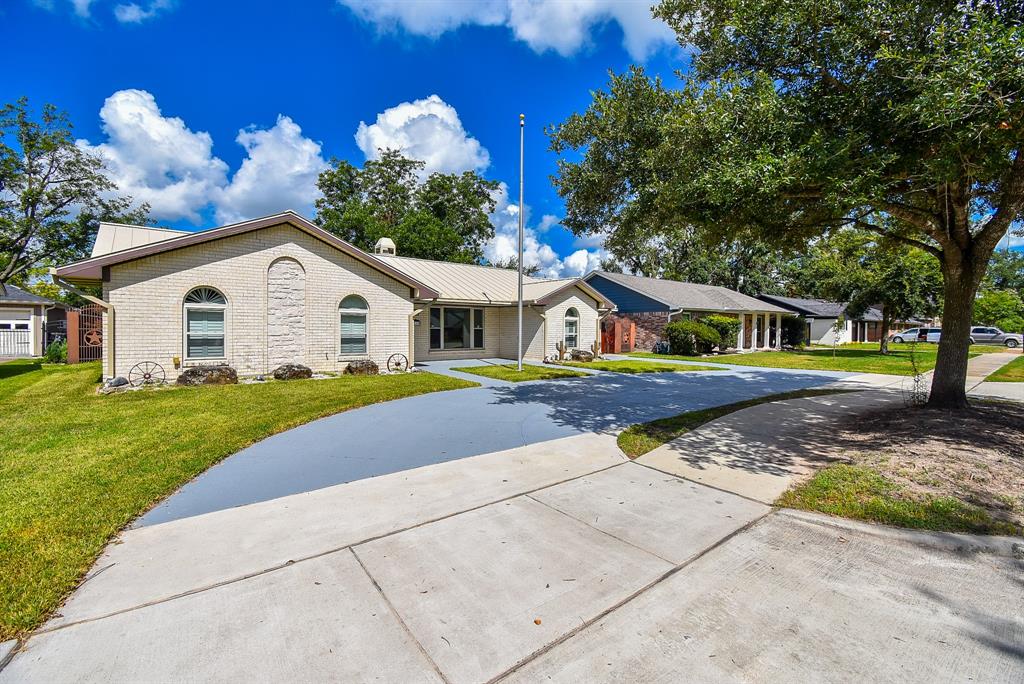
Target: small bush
x=57 y=352
x=726 y=327
x=793 y=330
x=687 y=338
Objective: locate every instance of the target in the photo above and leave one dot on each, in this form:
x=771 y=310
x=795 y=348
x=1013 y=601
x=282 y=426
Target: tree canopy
x=52 y=193
x=445 y=217
x=899 y=117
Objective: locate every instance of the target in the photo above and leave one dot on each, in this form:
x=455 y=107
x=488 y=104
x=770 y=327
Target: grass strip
x=75 y=468
x=637 y=440
x=633 y=367
x=509 y=373
x=862 y=493
x=1011 y=372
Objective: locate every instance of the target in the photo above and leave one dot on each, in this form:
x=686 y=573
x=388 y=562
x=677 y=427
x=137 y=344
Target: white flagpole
x=519 y=260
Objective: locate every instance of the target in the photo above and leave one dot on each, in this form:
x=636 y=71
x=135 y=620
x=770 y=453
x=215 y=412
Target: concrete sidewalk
x=557 y=560
x=761 y=451
x=980 y=367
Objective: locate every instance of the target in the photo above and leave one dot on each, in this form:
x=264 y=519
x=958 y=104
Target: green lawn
x=632 y=367
x=861 y=493
x=509 y=373
x=852 y=358
x=1011 y=372
x=77 y=467
x=637 y=440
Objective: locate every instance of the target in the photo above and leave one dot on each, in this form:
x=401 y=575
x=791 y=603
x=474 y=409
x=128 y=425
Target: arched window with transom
x=355 y=325
x=204 y=326
x=572 y=328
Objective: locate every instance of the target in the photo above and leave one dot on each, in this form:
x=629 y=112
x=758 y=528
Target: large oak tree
x=796 y=118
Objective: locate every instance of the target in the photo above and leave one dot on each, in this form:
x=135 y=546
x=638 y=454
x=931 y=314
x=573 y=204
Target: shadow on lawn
x=10 y=369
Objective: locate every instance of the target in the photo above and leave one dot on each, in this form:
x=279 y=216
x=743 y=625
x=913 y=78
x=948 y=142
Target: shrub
x=793 y=329
x=727 y=328
x=687 y=338
x=57 y=352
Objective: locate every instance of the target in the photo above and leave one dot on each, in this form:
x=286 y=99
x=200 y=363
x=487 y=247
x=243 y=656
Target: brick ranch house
x=274 y=290
x=652 y=303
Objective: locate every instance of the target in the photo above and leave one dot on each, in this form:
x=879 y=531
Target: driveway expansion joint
x=636 y=594
x=398 y=616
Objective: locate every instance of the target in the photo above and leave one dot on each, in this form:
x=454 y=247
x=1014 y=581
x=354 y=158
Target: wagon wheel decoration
x=398 y=363
x=94 y=337
x=146 y=373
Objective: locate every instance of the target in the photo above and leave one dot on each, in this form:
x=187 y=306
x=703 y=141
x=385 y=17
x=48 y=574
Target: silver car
x=988 y=335
x=916 y=335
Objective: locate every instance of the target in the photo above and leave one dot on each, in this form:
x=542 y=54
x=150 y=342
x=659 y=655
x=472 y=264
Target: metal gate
x=15 y=343
x=85 y=334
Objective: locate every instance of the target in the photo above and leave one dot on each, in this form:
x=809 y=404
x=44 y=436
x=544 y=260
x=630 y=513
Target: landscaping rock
x=581 y=355
x=292 y=371
x=116 y=384
x=208 y=375
x=118 y=381
x=362 y=367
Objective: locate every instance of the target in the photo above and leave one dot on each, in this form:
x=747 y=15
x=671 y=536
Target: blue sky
x=216 y=111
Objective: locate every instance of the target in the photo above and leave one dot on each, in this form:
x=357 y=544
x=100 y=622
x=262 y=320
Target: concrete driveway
x=557 y=560
x=434 y=428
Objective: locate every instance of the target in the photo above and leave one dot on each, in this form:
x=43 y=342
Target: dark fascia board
x=602 y=301
x=93 y=270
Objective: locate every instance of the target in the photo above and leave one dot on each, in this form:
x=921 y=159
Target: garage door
x=15 y=332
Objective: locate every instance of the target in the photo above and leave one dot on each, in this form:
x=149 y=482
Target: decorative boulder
x=581 y=355
x=116 y=384
x=362 y=367
x=208 y=375
x=292 y=371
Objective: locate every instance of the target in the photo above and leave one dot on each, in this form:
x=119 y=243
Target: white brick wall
x=147 y=298
x=587 y=308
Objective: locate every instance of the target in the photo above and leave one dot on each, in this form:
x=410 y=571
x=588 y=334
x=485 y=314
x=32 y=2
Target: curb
x=960 y=544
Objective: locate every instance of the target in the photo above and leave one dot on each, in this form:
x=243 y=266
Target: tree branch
x=931 y=249
x=1011 y=204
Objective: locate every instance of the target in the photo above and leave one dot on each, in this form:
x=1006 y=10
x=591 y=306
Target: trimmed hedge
x=687 y=338
x=727 y=328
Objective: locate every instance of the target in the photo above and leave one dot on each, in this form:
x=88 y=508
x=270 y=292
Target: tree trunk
x=883 y=343
x=960 y=285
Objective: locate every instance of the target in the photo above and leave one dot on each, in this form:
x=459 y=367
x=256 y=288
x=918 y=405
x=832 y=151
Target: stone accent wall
x=650 y=327
x=286 y=312
x=147 y=298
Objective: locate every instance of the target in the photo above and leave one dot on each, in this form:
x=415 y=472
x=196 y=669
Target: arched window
x=354 y=325
x=572 y=329
x=204 y=323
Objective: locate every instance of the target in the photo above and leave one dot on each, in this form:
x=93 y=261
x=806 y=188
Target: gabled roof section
x=474 y=283
x=15 y=295
x=818 y=308
x=114 y=237
x=679 y=295
x=91 y=270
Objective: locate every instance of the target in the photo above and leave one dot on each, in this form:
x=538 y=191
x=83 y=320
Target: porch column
x=778 y=331
x=753 y=332
x=739 y=335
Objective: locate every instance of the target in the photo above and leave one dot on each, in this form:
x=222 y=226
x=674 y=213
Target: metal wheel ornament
x=398 y=363
x=146 y=373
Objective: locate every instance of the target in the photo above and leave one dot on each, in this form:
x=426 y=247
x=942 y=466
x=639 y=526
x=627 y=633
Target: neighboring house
x=23 y=318
x=261 y=293
x=820 y=319
x=652 y=303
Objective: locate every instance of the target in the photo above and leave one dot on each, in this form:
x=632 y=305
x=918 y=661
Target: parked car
x=987 y=335
x=916 y=335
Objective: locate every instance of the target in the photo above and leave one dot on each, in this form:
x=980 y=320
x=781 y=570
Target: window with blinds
x=204 y=324
x=354 y=325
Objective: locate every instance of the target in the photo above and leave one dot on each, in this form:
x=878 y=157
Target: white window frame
x=565 y=326
x=366 y=327
x=472 y=328
x=205 y=306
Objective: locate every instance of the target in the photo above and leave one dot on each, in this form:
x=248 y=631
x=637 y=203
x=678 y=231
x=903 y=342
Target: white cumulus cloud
x=159 y=160
x=429 y=130
x=564 y=26
x=279 y=172
x=155 y=158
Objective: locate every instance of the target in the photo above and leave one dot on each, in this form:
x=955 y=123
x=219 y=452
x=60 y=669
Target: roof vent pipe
x=385 y=246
